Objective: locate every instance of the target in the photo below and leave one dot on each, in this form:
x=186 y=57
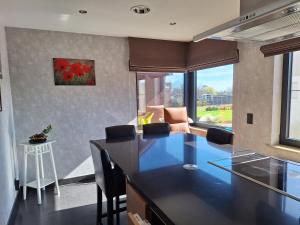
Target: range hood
x=276 y=21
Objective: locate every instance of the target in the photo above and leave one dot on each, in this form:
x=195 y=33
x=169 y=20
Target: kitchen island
x=206 y=195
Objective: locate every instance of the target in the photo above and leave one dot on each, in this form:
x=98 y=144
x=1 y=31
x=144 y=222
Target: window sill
x=287 y=148
x=205 y=126
x=198 y=131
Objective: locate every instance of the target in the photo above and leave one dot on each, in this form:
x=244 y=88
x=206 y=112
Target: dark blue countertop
x=208 y=195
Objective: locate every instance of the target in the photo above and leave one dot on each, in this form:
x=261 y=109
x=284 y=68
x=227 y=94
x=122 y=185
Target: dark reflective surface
x=209 y=195
x=281 y=175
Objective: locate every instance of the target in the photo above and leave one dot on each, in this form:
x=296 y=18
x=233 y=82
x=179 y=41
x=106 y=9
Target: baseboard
x=17 y=185
x=14 y=209
x=74 y=180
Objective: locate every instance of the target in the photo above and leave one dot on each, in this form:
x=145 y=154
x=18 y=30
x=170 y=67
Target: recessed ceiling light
x=82 y=11
x=172 y=23
x=140 y=9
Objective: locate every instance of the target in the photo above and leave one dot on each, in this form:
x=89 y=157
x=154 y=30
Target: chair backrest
x=177 y=118
x=103 y=169
x=219 y=136
x=156 y=128
x=121 y=131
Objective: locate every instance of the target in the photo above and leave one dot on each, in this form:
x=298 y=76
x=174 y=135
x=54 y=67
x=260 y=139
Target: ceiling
x=114 y=18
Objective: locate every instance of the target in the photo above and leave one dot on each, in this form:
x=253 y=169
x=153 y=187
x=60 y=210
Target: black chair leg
x=118 y=209
x=110 y=209
x=99 y=205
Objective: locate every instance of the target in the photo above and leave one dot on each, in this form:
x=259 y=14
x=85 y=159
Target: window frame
x=189 y=99
x=201 y=124
x=286 y=102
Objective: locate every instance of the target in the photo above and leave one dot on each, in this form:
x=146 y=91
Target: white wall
x=77 y=113
x=257 y=90
x=7 y=193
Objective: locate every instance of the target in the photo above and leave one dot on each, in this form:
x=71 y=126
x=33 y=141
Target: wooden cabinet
x=135 y=203
x=134 y=219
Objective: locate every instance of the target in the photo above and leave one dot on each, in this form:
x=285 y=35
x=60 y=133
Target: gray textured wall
x=77 y=113
x=253 y=91
x=257 y=89
x=7 y=193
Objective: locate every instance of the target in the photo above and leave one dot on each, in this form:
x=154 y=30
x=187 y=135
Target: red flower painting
x=61 y=64
x=86 y=68
x=68 y=75
x=91 y=82
x=74 y=71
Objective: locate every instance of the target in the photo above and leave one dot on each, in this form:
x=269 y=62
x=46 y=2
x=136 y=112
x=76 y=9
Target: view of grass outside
x=222 y=116
x=214 y=96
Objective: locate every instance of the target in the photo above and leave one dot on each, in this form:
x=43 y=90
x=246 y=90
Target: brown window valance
x=149 y=55
x=211 y=53
x=281 y=47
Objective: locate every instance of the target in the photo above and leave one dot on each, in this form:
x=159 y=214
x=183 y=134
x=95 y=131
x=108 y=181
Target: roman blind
x=281 y=47
x=211 y=53
x=149 y=55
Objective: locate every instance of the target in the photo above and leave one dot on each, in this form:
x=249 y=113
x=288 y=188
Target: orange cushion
x=158 y=111
x=180 y=127
x=176 y=115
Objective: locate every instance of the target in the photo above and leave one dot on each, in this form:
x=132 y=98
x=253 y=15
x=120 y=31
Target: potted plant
x=41 y=137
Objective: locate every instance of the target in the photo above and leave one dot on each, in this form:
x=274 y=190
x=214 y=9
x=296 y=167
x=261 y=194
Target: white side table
x=37 y=150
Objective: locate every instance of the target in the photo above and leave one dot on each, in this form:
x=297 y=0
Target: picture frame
x=74 y=71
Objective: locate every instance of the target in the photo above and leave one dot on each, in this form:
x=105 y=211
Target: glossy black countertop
x=208 y=195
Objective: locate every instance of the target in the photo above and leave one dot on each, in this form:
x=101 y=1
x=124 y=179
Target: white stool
x=38 y=150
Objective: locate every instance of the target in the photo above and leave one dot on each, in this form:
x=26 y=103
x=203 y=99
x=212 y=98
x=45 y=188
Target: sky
x=220 y=78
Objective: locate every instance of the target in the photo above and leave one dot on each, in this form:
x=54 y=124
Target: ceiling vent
x=140 y=9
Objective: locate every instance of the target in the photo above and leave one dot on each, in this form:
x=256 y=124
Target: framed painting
x=74 y=71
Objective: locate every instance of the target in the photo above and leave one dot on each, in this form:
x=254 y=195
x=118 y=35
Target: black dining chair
x=120 y=131
x=156 y=129
x=111 y=181
x=219 y=136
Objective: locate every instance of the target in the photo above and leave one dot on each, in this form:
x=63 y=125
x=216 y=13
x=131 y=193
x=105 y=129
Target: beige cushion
x=177 y=118
x=176 y=115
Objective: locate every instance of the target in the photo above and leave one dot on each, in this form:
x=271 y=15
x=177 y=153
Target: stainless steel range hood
x=274 y=22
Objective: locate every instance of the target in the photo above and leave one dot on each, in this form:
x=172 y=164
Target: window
x=214 y=96
x=290 y=119
x=156 y=89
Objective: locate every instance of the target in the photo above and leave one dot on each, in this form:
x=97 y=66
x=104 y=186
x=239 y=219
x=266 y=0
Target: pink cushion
x=176 y=115
x=177 y=118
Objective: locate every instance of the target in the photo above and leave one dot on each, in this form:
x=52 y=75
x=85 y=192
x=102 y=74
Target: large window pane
x=290 y=119
x=294 y=128
x=214 y=96
x=158 y=89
